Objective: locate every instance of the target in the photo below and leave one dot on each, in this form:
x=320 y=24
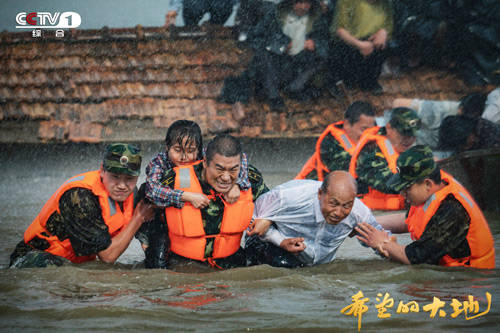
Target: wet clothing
x=24 y=256
x=79 y=220
x=212 y=215
x=259 y=252
x=373 y=169
x=295 y=211
x=186 y=229
x=163 y=196
x=333 y=155
x=333 y=152
x=450 y=230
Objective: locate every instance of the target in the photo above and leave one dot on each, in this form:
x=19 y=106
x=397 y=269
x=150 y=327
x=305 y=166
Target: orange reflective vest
x=479 y=236
x=314 y=162
x=375 y=199
x=112 y=214
x=185 y=225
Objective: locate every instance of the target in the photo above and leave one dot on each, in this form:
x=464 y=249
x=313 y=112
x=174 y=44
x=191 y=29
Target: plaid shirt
x=164 y=196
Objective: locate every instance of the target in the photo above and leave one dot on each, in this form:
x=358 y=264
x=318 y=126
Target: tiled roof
x=130 y=84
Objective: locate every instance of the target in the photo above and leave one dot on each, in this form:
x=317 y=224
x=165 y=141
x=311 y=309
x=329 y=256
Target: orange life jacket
x=375 y=199
x=479 y=236
x=112 y=214
x=185 y=225
x=314 y=162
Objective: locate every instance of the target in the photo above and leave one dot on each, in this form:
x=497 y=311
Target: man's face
x=399 y=141
x=301 y=8
x=183 y=154
x=222 y=172
x=355 y=130
x=417 y=194
x=118 y=185
x=335 y=205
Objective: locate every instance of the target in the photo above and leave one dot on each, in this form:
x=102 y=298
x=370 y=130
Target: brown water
x=124 y=297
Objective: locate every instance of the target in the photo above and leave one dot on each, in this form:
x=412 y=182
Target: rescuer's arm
x=394 y=222
x=380 y=240
x=143 y=212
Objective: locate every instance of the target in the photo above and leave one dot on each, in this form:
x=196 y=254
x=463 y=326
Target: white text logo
x=48 y=20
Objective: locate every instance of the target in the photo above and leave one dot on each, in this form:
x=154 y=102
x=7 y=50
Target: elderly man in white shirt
x=308 y=219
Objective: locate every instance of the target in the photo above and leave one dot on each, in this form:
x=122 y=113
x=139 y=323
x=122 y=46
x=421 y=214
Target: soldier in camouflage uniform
x=158 y=254
x=79 y=216
x=374 y=161
x=446 y=224
x=337 y=143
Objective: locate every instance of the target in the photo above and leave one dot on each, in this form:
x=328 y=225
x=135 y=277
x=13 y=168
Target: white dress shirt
x=294 y=208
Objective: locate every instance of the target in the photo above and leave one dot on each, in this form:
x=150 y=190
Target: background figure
x=360 y=32
x=289 y=48
x=432 y=113
x=460 y=133
x=492 y=107
x=194 y=10
x=250 y=13
x=338 y=142
x=374 y=160
x=425 y=31
x=461 y=34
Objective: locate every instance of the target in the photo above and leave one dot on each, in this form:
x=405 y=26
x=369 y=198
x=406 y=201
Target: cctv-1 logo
x=48 y=20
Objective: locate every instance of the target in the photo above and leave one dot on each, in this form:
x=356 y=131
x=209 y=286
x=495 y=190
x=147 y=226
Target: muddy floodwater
x=125 y=297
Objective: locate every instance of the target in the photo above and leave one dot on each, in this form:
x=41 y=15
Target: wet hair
x=185 y=129
x=435 y=176
x=454 y=131
x=225 y=145
x=473 y=105
x=358 y=108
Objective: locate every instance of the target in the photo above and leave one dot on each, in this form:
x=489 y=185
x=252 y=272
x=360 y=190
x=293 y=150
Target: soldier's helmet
x=413 y=165
x=122 y=158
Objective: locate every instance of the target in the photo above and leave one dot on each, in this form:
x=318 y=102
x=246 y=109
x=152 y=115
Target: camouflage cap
x=122 y=158
x=413 y=165
x=405 y=121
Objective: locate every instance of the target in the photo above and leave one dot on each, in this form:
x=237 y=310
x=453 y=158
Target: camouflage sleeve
x=333 y=156
x=257 y=181
x=445 y=233
x=373 y=170
x=83 y=221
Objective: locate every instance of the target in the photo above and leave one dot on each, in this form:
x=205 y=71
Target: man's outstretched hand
x=293 y=245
